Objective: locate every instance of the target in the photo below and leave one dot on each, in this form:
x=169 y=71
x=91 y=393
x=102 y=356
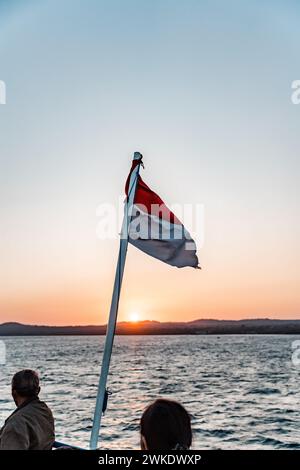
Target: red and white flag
x=155 y=230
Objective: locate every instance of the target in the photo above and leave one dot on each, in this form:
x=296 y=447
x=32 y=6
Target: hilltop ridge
x=150 y=327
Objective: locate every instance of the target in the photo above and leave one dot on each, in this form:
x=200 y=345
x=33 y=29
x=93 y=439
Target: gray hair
x=26 y=383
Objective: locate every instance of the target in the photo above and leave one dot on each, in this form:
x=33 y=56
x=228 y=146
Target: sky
x=203 y=90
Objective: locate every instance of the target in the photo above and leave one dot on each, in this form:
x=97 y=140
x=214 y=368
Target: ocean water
x=242 y=391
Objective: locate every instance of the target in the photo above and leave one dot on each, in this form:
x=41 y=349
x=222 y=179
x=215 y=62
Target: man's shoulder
x=37 y=406
x=34 y=408
x=15 y=420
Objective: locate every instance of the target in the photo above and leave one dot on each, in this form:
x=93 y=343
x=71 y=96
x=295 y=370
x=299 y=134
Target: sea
x=241 y=391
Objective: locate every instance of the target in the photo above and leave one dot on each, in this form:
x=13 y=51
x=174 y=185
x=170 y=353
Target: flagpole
x=111 y=327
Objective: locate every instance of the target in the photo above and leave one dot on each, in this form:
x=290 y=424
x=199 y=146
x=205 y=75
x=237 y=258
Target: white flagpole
x=114 y=306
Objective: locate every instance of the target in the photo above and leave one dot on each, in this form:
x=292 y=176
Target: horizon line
x=140 y=322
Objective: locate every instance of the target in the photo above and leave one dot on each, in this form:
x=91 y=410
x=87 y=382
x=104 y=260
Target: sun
x=134 y=317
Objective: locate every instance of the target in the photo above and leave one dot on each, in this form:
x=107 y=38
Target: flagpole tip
x=137 y=156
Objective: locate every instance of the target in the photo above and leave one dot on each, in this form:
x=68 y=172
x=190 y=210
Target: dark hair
x=165 y=424
x=26 y=383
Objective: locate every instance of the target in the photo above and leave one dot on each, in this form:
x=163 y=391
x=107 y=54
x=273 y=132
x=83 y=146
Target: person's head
x=25 y=385
x=165 y=425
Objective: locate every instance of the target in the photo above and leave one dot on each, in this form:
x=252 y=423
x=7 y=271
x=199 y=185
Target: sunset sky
x=203 y=90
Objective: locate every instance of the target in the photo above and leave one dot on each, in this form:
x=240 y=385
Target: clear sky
x=202 y=89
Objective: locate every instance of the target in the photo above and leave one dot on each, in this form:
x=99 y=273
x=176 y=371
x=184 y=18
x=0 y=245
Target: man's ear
x=39 y=389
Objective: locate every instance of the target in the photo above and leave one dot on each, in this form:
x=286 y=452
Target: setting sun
x=134 y=317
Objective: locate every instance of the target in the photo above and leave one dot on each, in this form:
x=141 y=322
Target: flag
x=155 y=230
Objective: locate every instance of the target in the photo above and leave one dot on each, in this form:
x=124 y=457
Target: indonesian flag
x=155 y=230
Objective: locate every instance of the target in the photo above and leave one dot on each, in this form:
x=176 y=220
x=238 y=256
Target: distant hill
x=196 y=327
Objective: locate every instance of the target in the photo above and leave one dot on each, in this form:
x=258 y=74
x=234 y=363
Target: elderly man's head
x=25 y=385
